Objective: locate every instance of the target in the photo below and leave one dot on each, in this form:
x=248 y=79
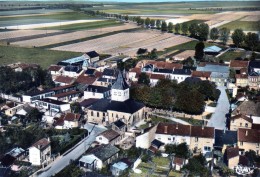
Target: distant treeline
x=227 y=9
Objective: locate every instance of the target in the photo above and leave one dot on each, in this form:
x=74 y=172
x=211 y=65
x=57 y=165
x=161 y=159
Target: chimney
x=177 y=126
x=142 y=131
x=202 y=127
x=165 y=129
x=150 y=124
x=224 y=131
x=246 y=132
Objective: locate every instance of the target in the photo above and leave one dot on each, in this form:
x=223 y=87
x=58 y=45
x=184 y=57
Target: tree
x=196 y=166
x=164 y=26
x=34 y=115
x=177 y=28
x=251 y=40
x=170 y=27
x=158 y=24
x=224 y=34
x=199 y=50
x=152 y=23
x=184 y=28
x=126 y=18
x=238 y=37
x=203 y=31
x=144 y=79
x=75 y=107
x=141 y=22
x=214 y=33
x=193 y=29
x=153 y=54
x=147 y=21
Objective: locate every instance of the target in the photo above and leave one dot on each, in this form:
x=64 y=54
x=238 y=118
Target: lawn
x=161 y=161
x=86 y=26
x=175 y=174
x=231 y=55
x=244 y=25
x=10 y=54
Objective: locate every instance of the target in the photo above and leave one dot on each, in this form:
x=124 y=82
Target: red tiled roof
x=242 y=116
x=248 y=135
x=62 y=87
x=200 y=74
x=232 y=152
x=54 y=68
x=157 y=76
x=165 y=65
x=59 y=122
x=110 y=134
x=205 y=132
x=153 y=149
x=238 y=64
x=178 y=161
x=82 y=79
x=27 y=65
x=71 y=117
x=64 y=79
x=135 y=70
x=64 y=94
x=41 y=144
x=98 y=74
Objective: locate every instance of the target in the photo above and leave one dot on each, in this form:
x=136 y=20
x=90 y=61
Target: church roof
x=120 y=83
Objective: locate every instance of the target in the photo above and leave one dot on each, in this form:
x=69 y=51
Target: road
x=219 y=117
x=73 y=154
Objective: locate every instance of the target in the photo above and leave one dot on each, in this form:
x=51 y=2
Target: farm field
x=127 y=43
x=10 y=54
x=23 y=33
x=251 y=18
x=50 y=40
x=245 y=25
x=231 y=55
x=85 y=26
x=31 y=12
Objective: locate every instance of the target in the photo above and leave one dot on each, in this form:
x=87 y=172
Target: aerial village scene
x=129 y=88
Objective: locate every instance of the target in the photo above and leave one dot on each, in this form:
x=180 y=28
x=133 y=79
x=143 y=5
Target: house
x=55 y=70
x=19 y=67
x=224 y=138
x=154 y=78
x=237 y=65
x=203 y=75
x=99 y=157
x=93 y=55
x=109 y=73
x=155 y=146
x=212 y=50
x=248 y=139
x=119 y=126
x=11 y=108
x=62 y=89
x=52 y=105
x=202 y=138
x=67 y=96
x=109 y=137
x=71 y=120
x=36 y=95
x=90 y=72
x=40 y=152
x=64 y=80
x=231 y=157
x=196 y=137
x=157 y=64
x=254 y=74
x=104 y=82
x=120 y=106
x=93 y=91
x=82 y=61
x=250 y=109
x=240 y=121
x=25 y=110
x=17 y=153
x=219 y=72
x=87 y=103
x=72 y=71
x=242 y=78
x=146 y=137
x=118 y=168
x=178 y=163
x=134 y=73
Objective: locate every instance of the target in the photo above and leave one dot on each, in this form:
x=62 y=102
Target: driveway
x=218 y=118
x=72 y=154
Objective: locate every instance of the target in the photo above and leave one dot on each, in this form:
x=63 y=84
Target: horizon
x=131 y=1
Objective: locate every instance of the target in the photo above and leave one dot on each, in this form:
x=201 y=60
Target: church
x=119 y=107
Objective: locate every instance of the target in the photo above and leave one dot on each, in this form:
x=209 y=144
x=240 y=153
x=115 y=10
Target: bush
x=146 y=158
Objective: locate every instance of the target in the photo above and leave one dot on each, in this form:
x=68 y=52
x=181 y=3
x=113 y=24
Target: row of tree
x=188 y=97
x=13 y=82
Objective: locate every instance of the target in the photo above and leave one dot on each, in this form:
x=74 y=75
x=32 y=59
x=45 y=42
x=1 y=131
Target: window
x=119 y=93
x=196 y=139
x=257 y=151
x=97 y=114
x=241 y=143
x=257 y=145
x=240 y=124
x=115 y=93
x=92 y=113
x=104 y=114
x=246 y=124
x=207 y=148
x=169 y=138
x=100 y=138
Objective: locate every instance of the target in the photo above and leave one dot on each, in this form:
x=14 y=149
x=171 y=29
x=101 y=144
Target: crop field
x=10 y=54
x=23 y=33
x=127 y=43
x=251 y=18
x=31 y=12
x=50 y=40
x=85 y=26
x=245 y=25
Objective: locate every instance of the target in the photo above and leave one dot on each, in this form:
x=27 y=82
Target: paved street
x=219 y=117
x=63 y=161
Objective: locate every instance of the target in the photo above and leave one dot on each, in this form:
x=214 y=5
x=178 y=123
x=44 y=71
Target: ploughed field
x=127 y=42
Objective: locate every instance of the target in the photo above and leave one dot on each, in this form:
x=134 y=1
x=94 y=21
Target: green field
x=44 y=58
x=230 y=55
x=86 y=26
x=244 y=25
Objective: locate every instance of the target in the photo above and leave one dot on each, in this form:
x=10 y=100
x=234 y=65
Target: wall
x=239 y=123
x=172 y=139
x=200 y=143
x=89 y=94
x=144 y=140
x=34 y=156
x=249 y=146
x=233 y=162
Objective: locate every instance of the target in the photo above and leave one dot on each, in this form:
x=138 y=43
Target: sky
x=130 y=0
